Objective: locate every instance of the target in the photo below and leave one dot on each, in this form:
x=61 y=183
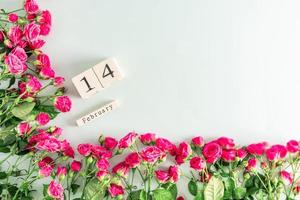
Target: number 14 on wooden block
x=97 y=78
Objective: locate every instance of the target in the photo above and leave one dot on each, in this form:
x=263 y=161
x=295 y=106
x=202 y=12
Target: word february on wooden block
x=97 y=78
x=97 y=113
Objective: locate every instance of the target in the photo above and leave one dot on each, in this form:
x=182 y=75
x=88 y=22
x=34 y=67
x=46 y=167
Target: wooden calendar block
x=108 y=72
x=97 y=113
x=87 y=83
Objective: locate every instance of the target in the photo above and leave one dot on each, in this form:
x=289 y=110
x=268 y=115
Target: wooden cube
x=87 y=83
x=97 y=113
x=108 y=72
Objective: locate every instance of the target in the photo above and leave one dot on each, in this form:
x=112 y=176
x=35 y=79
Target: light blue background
x=192 y=67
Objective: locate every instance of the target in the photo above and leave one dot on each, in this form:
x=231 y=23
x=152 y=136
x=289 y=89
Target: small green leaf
x=214 y=190
x=11 y=82
x=240 y=193
x=74 y=188
x=199 y=196
x=137 y=195
x=23 y=109
x=172 y=187
x=4 y=149
x=45 y=189
x=3 y=175
x=193 y=189
x=94 y=190
x=162 y=194
x=10 y=139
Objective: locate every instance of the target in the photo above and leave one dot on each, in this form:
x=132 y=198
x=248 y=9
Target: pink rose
x=75 y=166
x=183 y=153
x=293 y=146
x=66 y=149
x=45 y=18
x=101 y=175
x=47 y=73
x=276 y=152
x=251 y=164
x=32 y=31
x=228 y=155
x=121 y=169
x=102 y=164
x=58 y=81
x=56 y=131
x=152 y=154
x=33 y=85
x=45 y=171
x=56 y=190
x=63 y=103
x=36 y=44
x=43 y=60
x=42 y=118
x=23 y=128
x=241 y=153
x=61 y=172
x=212 y=152
x=84 y=149
x=15 y=65
x=225 y=142
x=45 y=29
x=115 y=190
x=147 y=138
x=51 y=145
x=197 y=163
x=31 y=6
x=161 y=176
x=128 y=140
x=286 y=177
x=166 y=146
x=46 y=161
x=173 y=174
x=296 y=189
x=257 y=149
x=15 y=34
x=133 y=160
x=20 y=53
x=101 y=152
x=198 y=141
x=12 y=17
x=110 y=143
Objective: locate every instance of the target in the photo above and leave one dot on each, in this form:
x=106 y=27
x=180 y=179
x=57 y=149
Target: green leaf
x=74 y=188
x=137 y=195
x=229 y=184
x=193 y=188
x=23 y=109
x=162 y=194
x=172 y=187
x=94 y=190
x=3 y=175
x=240 y=193
x=10 y=139
x=4 y=149
x=11 y=82
x=47 y=109
x=214 y=189
x=45 y=189
x=199 y=196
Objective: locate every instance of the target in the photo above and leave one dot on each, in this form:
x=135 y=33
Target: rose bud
x=61 y=172
x=133 y=160
x=198 y=141
x=31 y=6
x=116 y=190
x=47 y=73
x=228 y=155
x=166 y=146
x=183 y=153
x=12 y=17
x=147 y=138
x=241 y=153
x=55 y=190
x=286 y=177
x=293 y=146
x=101 y=175
x=128 y=140
x=152 y=154
x=161 y=176
x=23 y=128
x=257 y=149
x=180 y=198
x=251 y=164
x=110 y=143
x=197 y=163
x=63 y=103
x=296 y=189
x=173 y=174
x=121 y=169
x=75 y=166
